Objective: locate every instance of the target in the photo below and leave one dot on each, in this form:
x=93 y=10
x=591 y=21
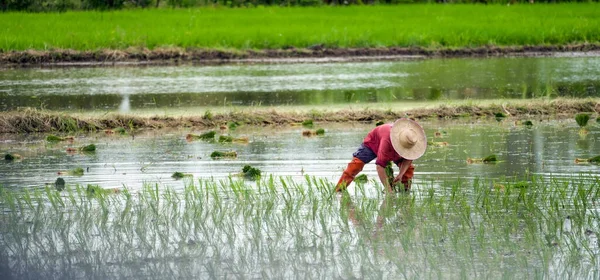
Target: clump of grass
x=73 y=172
x=582 y=119
x=54 y=138
x=251 y=173
x=207 y=136
x=594 y=160
x=489 y=159
x=180 y=175
x=11 y=157
x=362 y=178
x=308 y=123
x=219 y=154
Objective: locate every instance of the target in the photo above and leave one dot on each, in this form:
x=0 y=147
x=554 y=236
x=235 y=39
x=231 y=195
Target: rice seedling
x=378 y=123
x=320 y=132
x=362 y=178
x=13 y=156
x=59 y=184
x=229 y=139
x=54 y=138
x=207 y=136
x=225 y=154
x=527 y=124
x=594 y=160
x=78 y=171
x=489 y=159
x=179 y=175
x=582 y=119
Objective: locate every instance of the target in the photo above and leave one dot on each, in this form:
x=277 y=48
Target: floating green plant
x=180 y=175
x=308 y=123
x=73 y=172
x=219 y=154
x=11 y=157
x=207 y=136
x=595 y=160
x=489 y=159
x=251 y=172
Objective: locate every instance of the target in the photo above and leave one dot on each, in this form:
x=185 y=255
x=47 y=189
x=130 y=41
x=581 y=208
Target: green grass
x=430 y=26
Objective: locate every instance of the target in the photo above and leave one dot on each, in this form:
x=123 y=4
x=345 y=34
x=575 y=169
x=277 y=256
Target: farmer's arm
x=384 y=178
x=403 y=168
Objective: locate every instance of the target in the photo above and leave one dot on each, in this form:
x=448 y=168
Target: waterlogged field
x=534 y=213
x=190 y=89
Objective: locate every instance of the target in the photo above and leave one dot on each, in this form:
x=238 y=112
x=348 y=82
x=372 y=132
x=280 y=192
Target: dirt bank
x=318 y=53
x=31 y=120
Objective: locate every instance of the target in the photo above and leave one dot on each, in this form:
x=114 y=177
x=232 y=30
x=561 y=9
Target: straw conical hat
x=408 y=139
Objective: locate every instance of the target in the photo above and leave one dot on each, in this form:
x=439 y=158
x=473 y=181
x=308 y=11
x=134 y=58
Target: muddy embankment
x=32 y=120
x=165 y=56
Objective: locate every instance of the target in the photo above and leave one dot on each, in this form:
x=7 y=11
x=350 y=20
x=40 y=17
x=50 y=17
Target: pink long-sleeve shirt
x=378 y=140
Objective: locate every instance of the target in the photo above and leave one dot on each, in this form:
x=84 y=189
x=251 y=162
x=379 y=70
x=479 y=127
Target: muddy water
x=549 y=148
x=127 y=89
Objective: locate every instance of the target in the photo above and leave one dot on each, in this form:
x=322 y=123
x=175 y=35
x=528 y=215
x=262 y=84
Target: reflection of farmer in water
x=400 y=143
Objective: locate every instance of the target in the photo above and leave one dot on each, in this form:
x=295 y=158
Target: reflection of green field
x=272 y=27
x=278 y=228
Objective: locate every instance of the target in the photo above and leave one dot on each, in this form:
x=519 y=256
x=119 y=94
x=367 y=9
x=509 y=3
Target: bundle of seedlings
x=488 y=159
x=251 y=173
x=227 y=154
x=11 y=157
x=91 y=148
x=54 y=138
x=179 y=175
x=229 y=139
x=73 y=172
x=594 y=160
x=309 y=133
x=207 y=136
x=582 y=120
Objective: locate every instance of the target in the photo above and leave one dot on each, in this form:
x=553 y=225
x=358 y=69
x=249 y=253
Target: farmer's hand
x=397 y=179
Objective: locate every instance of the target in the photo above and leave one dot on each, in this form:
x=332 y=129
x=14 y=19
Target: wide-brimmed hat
x=408 y=139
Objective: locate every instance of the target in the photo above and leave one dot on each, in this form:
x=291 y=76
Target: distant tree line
x=64 y=5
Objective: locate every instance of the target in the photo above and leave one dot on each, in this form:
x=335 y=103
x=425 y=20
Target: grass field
x=430 y=26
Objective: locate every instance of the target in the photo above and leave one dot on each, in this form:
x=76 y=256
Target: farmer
x=400 y=143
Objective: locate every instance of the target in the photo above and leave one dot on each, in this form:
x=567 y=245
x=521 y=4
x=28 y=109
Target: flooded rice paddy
x=532 y=214
x=129 y=89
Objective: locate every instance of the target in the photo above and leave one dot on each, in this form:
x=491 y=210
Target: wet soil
x=171 y=56
x=32 y=120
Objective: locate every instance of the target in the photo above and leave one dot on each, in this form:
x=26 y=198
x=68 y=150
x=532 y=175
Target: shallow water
x=547 y=148
x=128 y=89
